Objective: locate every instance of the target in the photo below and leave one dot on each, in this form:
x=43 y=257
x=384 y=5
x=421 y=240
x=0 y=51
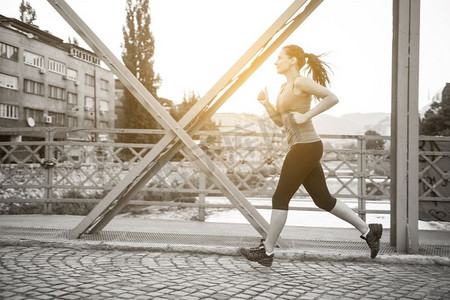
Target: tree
x=73 y=41
x=181 y=109
x=436 y=121
x=27 y=13
x=374 y=144
x=137 y=54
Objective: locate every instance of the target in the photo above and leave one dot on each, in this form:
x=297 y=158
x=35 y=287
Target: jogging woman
x=302 y=162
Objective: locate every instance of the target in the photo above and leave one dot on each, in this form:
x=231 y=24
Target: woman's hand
x=263 y=96
x=299 y=118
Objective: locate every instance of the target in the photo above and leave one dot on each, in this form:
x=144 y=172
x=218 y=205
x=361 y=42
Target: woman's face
x=283 y=62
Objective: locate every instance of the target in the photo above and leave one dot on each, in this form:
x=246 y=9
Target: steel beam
x=404 y=128
x=393 y=161
x=164 y=158
x=175 y=129
x=165 y=120
x=413 y=127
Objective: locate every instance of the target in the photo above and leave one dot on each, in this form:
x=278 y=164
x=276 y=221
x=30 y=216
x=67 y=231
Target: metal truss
x=178 y=135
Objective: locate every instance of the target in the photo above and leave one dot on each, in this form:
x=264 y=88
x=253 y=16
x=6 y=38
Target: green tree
x=137 y=54
x=436 y=121
x=374 y=144
x=73 y=41
x=27 y=13
x=181 y=109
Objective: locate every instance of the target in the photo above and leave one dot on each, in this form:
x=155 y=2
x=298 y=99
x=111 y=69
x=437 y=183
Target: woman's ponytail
x=317 y=69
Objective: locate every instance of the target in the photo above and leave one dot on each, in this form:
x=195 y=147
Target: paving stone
x=141 y=297
x=41 y=297
x=6 y=295
x=201 y=295
x=45 y=273
x=220 y=296
x=69 y=297
x=24 y=289
x=58 y=294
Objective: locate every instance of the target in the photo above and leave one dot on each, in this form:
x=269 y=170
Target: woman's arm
x=263 y=98
x=273 y=113
x=313 y=88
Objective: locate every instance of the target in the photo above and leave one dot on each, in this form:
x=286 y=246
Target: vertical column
x=202 y=196
x=393 y=156
x=48 y=164
x=404 y=125
x=362 y=178
x=413 y=127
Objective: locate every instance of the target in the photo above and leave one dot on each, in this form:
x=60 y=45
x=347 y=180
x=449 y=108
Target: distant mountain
x=326 y=124
x=365 y=119
x=354 y=123
x=383 y=127
x=349 y=124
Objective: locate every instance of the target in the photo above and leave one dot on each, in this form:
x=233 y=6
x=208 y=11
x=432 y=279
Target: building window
x=35 y=114
x=104 y=84
x=9 y=82
x=56 y=92
x=72 y=75
x=90 y=80
x=9 y=52
x=9 y=111
x=88 y=123
x=57 y=118
x=72 y=98
x=72 y=122
x=84 y=56
x=104 y=106
x=33 y=87
x=89 y=103
x=33 y=59
x=57 y=67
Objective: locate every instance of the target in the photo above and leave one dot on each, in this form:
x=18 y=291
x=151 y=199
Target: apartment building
x=46 y=82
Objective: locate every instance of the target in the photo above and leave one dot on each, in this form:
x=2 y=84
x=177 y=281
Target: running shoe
x=258 y=254
x=373 y=239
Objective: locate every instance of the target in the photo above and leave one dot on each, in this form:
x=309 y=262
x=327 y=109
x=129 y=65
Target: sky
x=197 y=41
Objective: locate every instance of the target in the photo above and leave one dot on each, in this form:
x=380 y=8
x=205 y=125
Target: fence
x=61 y=165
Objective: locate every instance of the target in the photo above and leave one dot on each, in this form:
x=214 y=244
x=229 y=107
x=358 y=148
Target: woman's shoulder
x=302 y=80
x=300 y=86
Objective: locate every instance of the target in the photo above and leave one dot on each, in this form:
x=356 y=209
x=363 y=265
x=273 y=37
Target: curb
x=289 y=255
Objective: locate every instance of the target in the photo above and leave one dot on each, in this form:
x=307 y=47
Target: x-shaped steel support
x=179 y=134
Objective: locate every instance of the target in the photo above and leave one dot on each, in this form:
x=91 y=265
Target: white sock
x=267 y=253
x=365 y=234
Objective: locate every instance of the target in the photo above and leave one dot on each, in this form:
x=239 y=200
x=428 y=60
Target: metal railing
x=61 y=165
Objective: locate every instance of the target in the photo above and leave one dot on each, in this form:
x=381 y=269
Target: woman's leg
x=299 y=161
x=317 y=188
x=342 y=211
x=277 y=221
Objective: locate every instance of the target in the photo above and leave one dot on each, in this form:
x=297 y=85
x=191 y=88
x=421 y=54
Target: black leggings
x=302 y=166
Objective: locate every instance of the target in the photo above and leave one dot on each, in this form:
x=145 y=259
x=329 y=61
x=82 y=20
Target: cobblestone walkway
x=62 y=273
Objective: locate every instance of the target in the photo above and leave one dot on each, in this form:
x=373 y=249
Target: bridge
x=404 y=150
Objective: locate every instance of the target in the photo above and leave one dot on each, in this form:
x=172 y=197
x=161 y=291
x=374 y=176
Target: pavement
x=160 y=259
